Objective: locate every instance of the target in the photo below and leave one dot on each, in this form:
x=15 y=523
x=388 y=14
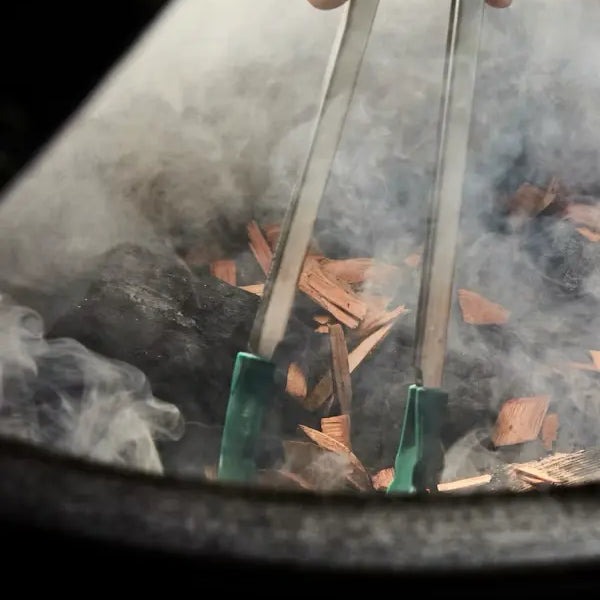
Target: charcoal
x=182 y=331
x=559 y=251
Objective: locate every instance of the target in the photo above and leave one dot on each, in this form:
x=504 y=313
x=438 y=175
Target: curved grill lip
x=200 y=520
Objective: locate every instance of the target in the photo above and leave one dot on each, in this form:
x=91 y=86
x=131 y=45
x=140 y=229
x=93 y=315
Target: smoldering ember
x=145 y=314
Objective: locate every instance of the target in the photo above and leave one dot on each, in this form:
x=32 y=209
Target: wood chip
x=461 y=484
x=359 y=476
x=345 y=306
x=550 y=194
x=338 y=428
x=578 y=467
x=367 y=346
x=477 y=310
x=592 y=236
x=520 y=420
x=224 y=270
x=413 y=260
x=584 y=214
x=358 y=270
x=374 y=320
x=530 y=200
x=338 y=313
x=582 y=366
x=259 y=247
x=333 y=291
x=535 y=473
x=210 y=472
x=527 y=200
x=272 y=232
x=322 y=319
x=324 y=388
x=383 y=479
x=256 y=288
x=296 y=382
x=595 y=354
x=549 y=434
x=340 y=369
x=593 y=366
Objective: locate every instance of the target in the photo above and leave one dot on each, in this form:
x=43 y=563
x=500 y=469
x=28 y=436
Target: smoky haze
x=205 y=124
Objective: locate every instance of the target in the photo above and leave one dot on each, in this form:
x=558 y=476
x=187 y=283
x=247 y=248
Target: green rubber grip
x=419 y=459
x=252 y=386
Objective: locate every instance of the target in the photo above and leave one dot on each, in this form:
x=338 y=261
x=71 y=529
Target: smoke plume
x=57 y=394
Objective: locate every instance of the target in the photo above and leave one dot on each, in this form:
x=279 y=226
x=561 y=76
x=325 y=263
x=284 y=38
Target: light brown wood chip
x=593 y=366
x=272 y=232
x=375 y=320
x=338 y=428
x=340 y=302
x=224 y=270
x=461 y=484
x=550 y=426
x=595 y=354
x=342 y=316
x=359 y=476
x=322 y=319
x=255 y=288
x=259 y=247
x=584 y=214
x=296 y=382
x=324 y=388
x=413 y=260
x=477 y=310
x=592 y=236
x=520 y=420
x=382 y=479
x=527 y=200
x=534 y=473
x=578 y=467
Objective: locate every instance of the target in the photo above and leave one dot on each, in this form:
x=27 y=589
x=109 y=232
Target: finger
x=499 y=3
x=327 y=4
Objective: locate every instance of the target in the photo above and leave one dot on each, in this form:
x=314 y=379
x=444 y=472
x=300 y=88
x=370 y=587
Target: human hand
x=329 y=4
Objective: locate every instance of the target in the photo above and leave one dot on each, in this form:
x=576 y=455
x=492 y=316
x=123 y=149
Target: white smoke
x=58 y=394
x=209 y=118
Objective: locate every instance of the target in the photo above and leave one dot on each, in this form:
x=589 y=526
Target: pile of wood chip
x=354 y=317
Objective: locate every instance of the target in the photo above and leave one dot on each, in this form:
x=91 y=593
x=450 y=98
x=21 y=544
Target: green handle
x=252 y=386
x=420 y=456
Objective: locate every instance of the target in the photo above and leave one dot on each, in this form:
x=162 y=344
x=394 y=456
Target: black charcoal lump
x=183 y=331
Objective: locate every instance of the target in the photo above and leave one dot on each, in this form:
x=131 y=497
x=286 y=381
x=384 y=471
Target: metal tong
x=419 y=459
x=252 y=383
